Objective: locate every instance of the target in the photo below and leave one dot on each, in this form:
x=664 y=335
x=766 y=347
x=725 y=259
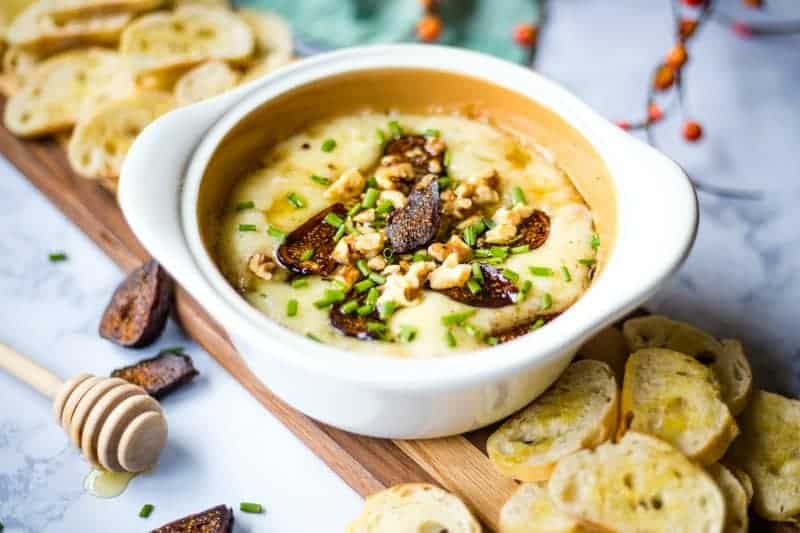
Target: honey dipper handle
x=26 y=370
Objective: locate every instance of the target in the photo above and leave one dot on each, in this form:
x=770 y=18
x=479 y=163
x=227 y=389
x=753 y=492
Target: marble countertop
x=741 y=280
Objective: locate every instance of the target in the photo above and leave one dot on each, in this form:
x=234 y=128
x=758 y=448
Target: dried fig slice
x=315 y=234
x=415 y=225
x=138 y=310
x=353 y=325
x=519 y=330
x=411 y=149
x=218 y=519
x=497 y=290
x=534 y=230
x=161 y=374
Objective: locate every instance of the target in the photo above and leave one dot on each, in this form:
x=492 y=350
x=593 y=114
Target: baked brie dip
x=416 y=235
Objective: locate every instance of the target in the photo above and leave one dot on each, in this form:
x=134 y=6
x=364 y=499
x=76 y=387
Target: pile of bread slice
x=94 y=73
x=654 y=427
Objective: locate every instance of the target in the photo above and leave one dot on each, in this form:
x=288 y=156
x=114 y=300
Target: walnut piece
x=261 y=265
x=349 y=185
x=450 y=274
x=397 y=198
x=440 y=251
x=506 y=221
x=405 y=289
x=369 y=244
x=392 y=170
x=472 y=193
x=347 y=275
x=377 y=263
x=368 y=215
x=341 y=252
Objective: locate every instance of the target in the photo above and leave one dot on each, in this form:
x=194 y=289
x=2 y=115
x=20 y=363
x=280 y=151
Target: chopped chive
x=472 y=330
x=248 y=507
x=339 y=285
x=144 y=512
x=57 y=257
x=499 y=251
x=448 y=158
x=492 y=341
x=477 y=274
x=377 y=278
x=331 y=296
x=388 y=254
x=595 y=241
x=520 y=249
x=372 y=182
x=370 y=198
x=365 y=310
x=361 y=264
x=469 y=236
x=296 y=200
x=174 y=349
x=308 y=254
x=450 y=339
x=494 y=260
x=479 y=227
x=395 y=129
x=244 y=227
x=587 y=261
x=510 y=274
x=313 y=337
x=272 y=231
x=483 y=252
x=456 y=319
x=320 y=179
x=356 y=209
x=518 y=196
x=541 y=271
x=473 y=286
x=339 y=233
x=565 y=274
x=364 y=285
x=526 y=287
x=349 y=307
x=432 y=132
x=386 y=309
x=244 y=206
x=407 y=333
x=384 y=207
x=333 y=219
x=444 y=182
x=489 y=223
x=420 y=256
x=536 y=325
x=372 y=296
x=376 y=327
x=329 y=145
x=381 y=136
x=291 y=307
x=299 y=283
x=547 y=301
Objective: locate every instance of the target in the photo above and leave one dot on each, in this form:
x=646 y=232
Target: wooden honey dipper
x=116 y=424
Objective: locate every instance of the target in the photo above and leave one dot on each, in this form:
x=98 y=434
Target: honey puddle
x=104 y=484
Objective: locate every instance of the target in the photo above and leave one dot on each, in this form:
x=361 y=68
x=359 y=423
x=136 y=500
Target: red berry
x=624 y=124
x=525 y=34
x=664 y=78
x=742 y=29
x=429 y=28
x=692 y=131
x=676 y=57
x=686 y=28
x=654 y=112
x=693 y=3
x=754 y=4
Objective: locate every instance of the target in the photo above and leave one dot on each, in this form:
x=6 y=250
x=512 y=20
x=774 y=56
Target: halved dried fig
x=534 y=230
x=314 y=234
x=415 y=225
x=353 y=324
x=411 y=149
x=496 y=291
x=519 y=330
x=218 y=519
x=161 y=374
x=138 y=310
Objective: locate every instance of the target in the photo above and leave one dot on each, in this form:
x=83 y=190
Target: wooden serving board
x=368 y=465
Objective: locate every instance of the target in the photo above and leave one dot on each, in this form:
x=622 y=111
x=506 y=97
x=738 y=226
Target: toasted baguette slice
x=530 y=510
x=744 y=480
x=63 y=89
x=62 y=10
x=100 y=142
x=204 y=81
x=36 y=30
x=578 y=411
x=413 y=507
x=609 y=346
x=265 y=66
x=674 y=397
x=273 y=36
x=769 y=451
x=725 y=358
x=641 y=484
x=736 y=519
x=190 y=35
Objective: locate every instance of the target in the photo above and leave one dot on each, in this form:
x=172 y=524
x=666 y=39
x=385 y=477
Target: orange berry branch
x=665 y=93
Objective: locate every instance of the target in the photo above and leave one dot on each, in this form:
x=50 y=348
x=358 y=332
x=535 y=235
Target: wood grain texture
x=365 y=464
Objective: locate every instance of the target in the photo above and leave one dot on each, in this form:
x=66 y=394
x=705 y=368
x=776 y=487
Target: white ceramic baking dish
x=405 y=398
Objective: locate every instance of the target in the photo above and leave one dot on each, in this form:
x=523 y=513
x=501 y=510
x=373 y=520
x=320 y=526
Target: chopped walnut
x=377 y=263
x=368 y=215
x=369 y=244
x=349 y=185
x=434 y=146
x=467 y=222
x=347 y=274
x=450 y=274
x=440 y=251
x=454 y=206
x=507 y=220
x=397 y=198
x=471 y=193
x=391 y=171
x=405 y=289
x=391 y=269
x=262 y=266
x=341 y=252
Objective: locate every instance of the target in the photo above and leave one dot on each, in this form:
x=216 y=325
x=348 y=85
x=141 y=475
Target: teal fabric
x=484 y=25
